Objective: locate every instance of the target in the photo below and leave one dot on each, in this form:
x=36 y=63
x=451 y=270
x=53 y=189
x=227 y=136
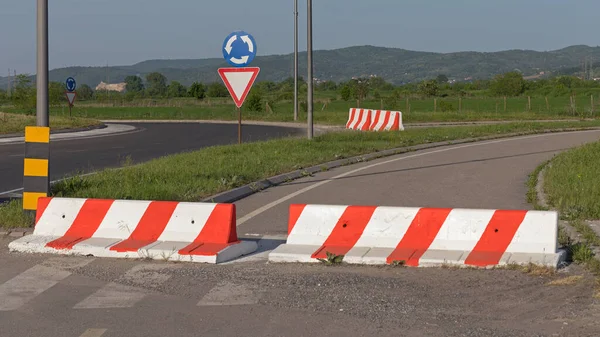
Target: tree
x=134 y=84
x=429 y=88
x=217 y=89
x=509 y=84
x=56 y=93
x=85 y=92
x=441 y=79
x=346 y=92
x=157 y=84
x=197 y=90
x=24 y=95
x=176 y=89
x=255 y=102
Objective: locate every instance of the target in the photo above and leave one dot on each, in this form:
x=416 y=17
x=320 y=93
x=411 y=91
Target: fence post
x=460 y=104
x=547 y=105
x=435 y=105
x=504 y=103
x=528 y=103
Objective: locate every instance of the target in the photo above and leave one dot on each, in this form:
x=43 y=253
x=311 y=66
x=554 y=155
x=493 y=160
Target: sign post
x=239 y=50
x=71 y=94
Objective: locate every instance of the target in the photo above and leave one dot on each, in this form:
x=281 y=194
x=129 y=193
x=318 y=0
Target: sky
x=124 y=32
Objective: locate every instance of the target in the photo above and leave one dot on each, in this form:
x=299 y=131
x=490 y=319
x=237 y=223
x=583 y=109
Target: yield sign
x=71 y=97
x=239 y=81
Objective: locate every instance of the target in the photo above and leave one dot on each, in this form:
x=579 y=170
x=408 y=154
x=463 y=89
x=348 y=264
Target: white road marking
x=227 y=293
x=93 y=333
x=116 y=295
x=22 y=288
x=311 y=187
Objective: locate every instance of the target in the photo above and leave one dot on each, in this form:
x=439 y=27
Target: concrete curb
x=254 y=187
x=60 y=131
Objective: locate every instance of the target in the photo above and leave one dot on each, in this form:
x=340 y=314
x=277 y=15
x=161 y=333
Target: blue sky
x=123 y=32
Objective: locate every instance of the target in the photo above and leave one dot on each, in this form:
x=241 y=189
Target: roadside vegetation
x=197 y=175
x=15 y=123
x=506 y=97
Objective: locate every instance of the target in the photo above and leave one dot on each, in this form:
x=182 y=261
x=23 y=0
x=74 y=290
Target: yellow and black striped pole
x=36 y=182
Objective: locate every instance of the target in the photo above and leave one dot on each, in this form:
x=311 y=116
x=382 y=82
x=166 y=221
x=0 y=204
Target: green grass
x=15 y=123
x=572 y=182
x=12 y=215
x=335 y=112
x=196 y=175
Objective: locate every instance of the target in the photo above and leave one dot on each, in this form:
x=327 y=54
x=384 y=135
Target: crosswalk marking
x=22 y=288
x=227 y=293
x=117 y=295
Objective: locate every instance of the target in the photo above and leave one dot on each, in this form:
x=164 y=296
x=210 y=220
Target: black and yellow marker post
x=36 y=182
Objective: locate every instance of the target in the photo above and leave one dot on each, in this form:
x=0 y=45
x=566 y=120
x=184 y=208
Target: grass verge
x=16 y=123
x=200 y=174
x=572 y=183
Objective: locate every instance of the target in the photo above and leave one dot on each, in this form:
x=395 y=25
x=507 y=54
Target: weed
x=400 y=263
x=332 y=259
x=569 y=280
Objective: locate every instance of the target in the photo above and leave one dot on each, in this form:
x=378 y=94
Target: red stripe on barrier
x=419 y=236
x=295 y=212
x=385 y=121
x=86 y=223
x=151 y=225
x=41 y=207
x=351 y=119
x=218 y=233
x=375 y=119
x=495 y=239
x=365 y=114
x=396 y=125
x=346 y=232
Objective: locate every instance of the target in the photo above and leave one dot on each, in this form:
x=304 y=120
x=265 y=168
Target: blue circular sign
x=239 y=49
x=71 y=84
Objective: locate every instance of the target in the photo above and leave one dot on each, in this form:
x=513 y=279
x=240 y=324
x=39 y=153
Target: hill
x=395 y=65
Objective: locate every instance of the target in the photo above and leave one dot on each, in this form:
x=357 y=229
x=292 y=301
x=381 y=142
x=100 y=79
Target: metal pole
x=310 y=71
x=239 y=126
x=295 y=60
x=42 y=63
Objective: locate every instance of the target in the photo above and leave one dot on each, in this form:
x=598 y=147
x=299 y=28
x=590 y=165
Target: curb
x=55 y=132
x=257 y=186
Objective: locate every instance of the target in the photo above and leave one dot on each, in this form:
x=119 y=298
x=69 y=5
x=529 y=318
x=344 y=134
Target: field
x=329 y=110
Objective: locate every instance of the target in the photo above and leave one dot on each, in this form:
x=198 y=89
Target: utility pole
x=8 y=89
x=310 y=71
x=42 y=63
x=295 y=60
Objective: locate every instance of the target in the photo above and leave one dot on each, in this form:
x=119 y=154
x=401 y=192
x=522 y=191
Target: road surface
x=154 y=140
x=86 y=296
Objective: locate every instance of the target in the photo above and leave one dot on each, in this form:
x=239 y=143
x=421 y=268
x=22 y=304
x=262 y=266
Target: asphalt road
x=67 y=296
x=155 y=140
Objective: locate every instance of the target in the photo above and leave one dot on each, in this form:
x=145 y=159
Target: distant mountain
x=395 y=65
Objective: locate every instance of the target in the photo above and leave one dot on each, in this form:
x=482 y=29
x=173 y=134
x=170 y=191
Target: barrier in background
x=382 y=120
x=374 y=120
x=162 y=230
x=359 y=119
x=420 y=236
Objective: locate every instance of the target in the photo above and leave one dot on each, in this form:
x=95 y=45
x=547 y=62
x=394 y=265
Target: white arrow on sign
x=229 y=46
x=242 y=60
x=247 y=40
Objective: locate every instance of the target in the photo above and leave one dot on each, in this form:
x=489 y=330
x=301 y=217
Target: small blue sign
x=239 y=49
x=71 y=84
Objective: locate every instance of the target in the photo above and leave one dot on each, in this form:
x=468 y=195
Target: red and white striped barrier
x=420 y=236
x=382 y=120
x=359 y=119
x=162 y=230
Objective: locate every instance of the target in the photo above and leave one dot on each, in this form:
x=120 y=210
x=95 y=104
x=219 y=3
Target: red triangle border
x=239 y=101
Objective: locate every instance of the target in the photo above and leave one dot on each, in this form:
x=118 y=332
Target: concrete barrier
x=420 y=236
x=382 y=120
x=359 y=119
x=162 y=230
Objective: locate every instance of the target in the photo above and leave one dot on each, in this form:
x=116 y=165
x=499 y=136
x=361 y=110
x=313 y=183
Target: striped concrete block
x=359 y=119
x=36 y=182
x=176 y=231
x=420 y=236
x=382 y=120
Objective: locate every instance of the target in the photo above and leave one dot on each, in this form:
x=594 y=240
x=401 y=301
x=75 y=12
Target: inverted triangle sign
x=71 y=97
x=239 y=81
